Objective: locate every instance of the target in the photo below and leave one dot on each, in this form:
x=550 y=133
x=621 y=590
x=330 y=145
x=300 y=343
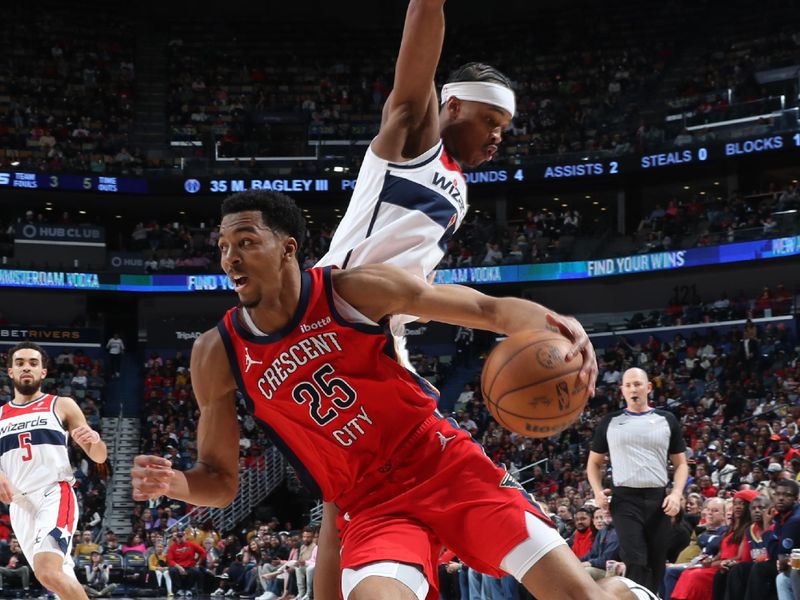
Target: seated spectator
x=493 y=256
x=782 y=531
x=85 y=545
x=782 y=302
x=709 y=543
x=707 y=489
x=210 y=564
x=605 y=546
x=97 y=573
x=134 y=544
x=111 y=544
x=583 y=537
x=158 y=567
x=696 y=583
x=13 y=564
x=183 y=559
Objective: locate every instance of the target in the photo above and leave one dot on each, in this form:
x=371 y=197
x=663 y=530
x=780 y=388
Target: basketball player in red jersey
x=309 y=352
x=35 y=473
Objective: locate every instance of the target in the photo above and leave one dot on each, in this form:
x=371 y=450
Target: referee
x=638 y=440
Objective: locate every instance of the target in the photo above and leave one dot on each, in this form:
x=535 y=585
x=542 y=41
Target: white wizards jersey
x=401 y=213
x=33 y=444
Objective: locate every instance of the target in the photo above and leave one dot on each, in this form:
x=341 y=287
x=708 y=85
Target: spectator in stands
x=85 y=545
x=780 y=537
x=183 y=559
x=565 y=515
x=763 y=304
x=97 y=574
x=110 y=543
x=493 y=255
x=583 y=537
x=708 y=544
x=725 y=474
x=306 y=560
x=782 y=302
x=754 y=542
x=707 y=489
x=605 y=546
x=774 y=477
x=13 y=564
x=159 y=568
x=269 y=569
x=209 y=565
x=697 y=584
x=134 y=544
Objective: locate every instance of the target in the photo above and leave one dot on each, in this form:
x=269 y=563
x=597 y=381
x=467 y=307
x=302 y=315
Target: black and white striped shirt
x=638 y=445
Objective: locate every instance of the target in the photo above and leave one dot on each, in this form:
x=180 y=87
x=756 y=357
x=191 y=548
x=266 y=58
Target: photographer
x=97 y=572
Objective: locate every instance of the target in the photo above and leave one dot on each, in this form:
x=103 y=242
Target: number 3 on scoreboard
x=25 y=444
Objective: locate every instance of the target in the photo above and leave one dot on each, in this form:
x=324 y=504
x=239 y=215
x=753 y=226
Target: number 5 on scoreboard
x=25 y=444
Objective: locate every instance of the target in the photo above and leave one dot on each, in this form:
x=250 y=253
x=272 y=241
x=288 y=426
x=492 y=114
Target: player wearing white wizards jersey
x=410 y=195
x=401 y=213
x=35 y=473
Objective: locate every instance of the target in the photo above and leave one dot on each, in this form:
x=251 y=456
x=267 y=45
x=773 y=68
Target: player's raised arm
x=214 y=480
x=420 y=50
x=412 y=107
x=381 y=290
x=75 y=421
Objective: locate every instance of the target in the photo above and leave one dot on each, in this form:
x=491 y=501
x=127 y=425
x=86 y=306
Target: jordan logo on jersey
x=249 y=362
x=443 y=439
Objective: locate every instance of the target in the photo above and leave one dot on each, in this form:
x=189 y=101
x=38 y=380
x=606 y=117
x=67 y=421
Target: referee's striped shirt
x=638 y=445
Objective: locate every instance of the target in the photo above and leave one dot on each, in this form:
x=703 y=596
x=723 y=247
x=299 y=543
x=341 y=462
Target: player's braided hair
x=476 y=71
x=278 y=211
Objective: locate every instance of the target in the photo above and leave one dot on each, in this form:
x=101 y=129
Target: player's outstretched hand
x=7 y=490
x=572 y=329
x=85 y=435
x=150 y=476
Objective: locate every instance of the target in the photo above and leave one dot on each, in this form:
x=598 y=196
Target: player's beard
x=28 y=389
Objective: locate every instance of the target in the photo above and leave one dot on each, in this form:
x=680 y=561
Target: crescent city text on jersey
x=286 y=363
x=344 y=397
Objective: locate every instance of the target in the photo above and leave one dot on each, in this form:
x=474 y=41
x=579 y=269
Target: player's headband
x=481 y=91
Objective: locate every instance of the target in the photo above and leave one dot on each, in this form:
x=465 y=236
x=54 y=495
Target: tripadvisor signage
x=179 y=334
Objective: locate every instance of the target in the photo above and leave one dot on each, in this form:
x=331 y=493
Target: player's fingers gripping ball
x=529 y=388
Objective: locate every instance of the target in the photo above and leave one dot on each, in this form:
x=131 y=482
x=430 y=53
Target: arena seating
x=66 y=90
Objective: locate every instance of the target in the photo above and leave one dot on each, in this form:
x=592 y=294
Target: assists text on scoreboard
x=680 y=156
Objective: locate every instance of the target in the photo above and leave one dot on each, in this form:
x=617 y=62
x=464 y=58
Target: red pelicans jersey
x=401 y=213
x=329 y=390
x=33 y=444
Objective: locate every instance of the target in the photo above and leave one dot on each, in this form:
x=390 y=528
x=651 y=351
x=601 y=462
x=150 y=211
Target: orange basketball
x=529 y=388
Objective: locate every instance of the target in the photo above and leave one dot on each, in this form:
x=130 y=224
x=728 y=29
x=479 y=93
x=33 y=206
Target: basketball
x=529 y=388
